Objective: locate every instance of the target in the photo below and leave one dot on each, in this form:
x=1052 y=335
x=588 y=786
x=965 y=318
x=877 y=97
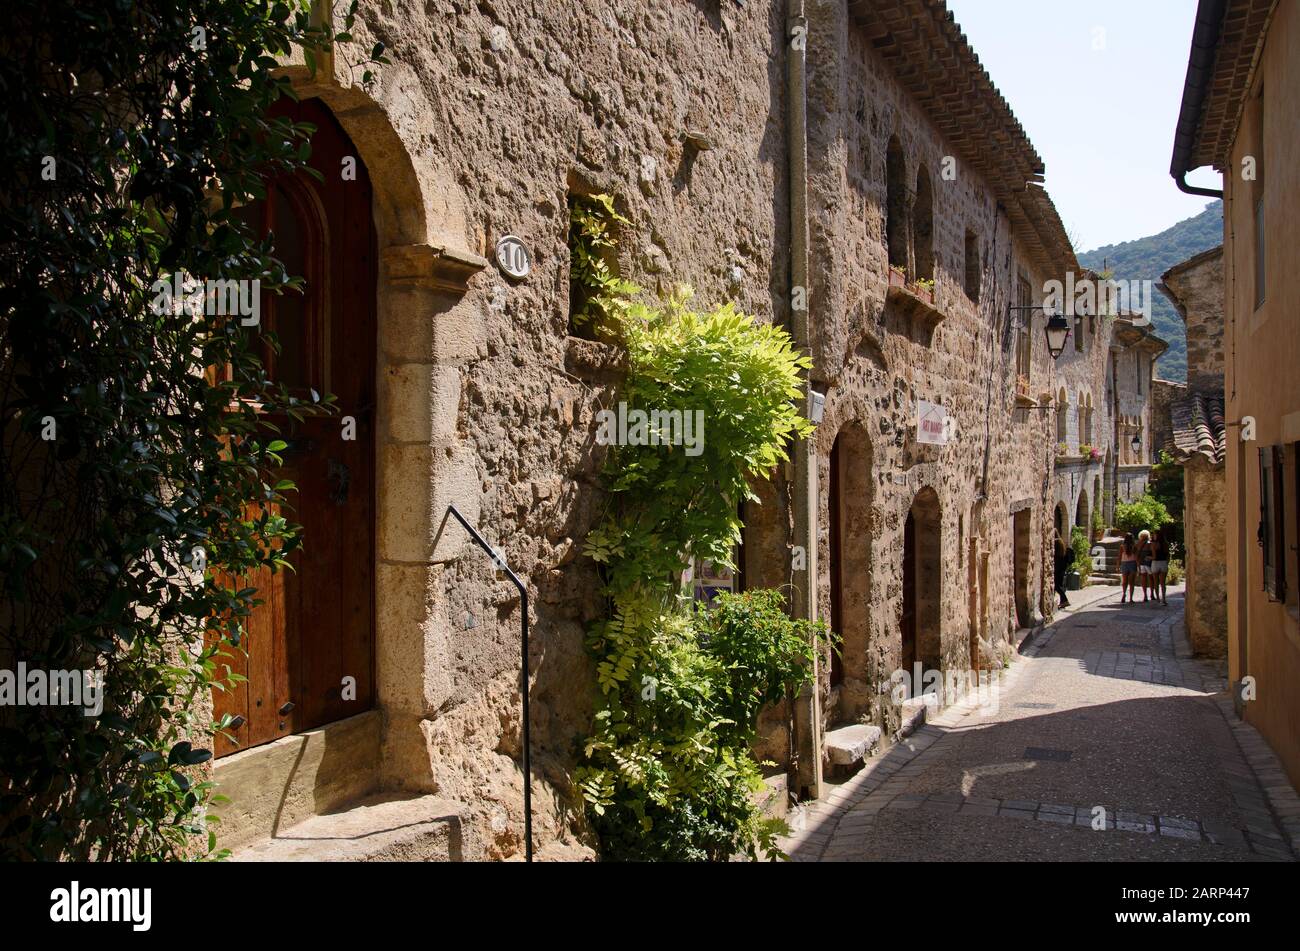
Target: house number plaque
x=512 y=256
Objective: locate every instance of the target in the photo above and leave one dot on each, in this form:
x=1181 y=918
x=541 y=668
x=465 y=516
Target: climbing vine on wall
x=132 y=480
x=596 y=293
x=668 y=772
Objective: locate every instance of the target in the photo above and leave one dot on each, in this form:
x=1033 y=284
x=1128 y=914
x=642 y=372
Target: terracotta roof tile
x=1199 y=427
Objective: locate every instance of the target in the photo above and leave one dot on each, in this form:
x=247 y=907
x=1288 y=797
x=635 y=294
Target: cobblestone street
x=1105 y=708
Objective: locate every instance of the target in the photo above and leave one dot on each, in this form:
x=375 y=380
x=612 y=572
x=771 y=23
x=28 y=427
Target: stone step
x=850 y=745
x=380 y=828
x=774 y=797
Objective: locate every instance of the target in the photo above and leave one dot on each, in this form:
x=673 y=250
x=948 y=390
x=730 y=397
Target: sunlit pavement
x=1106 y=741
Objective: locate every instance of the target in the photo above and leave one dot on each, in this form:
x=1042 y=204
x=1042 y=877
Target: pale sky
x=1102 y=118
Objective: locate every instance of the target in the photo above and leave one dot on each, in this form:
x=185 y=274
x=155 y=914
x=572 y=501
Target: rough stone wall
x=1080 y=483
x=499 y=113
x=1206 y=558
x=1164 y=393
x=877 y=353
x=1196 y=288
x=1197 y=291
x=489 y=119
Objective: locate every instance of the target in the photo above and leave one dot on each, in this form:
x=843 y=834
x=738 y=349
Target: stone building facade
x=490 y=122
x=1198 y=442
x=1083 y=425
x=1135 y=348
x=1106 y=397
x=929 y=555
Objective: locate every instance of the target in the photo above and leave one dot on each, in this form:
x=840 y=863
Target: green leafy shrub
x=1176 y=572
x=1146 y=513
x=1166 y=486
x=667 y=772
x=131 y=133
x=1081 y=545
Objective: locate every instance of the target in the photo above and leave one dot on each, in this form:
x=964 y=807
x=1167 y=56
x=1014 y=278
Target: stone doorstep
x=375 y=829
x=850 y=745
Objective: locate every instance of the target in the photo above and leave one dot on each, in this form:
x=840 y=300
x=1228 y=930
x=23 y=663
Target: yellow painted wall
x=1262 y=352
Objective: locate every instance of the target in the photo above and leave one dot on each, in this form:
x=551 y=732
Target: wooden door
x=837 y=561
x=908 y=620
x=310 y=644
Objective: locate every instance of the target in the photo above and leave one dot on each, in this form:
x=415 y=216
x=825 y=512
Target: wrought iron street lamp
x=1136 y=444
x=1057 y=332
x=1057 y=329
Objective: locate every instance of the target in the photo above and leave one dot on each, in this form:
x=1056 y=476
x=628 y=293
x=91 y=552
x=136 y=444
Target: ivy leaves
x=132 y=134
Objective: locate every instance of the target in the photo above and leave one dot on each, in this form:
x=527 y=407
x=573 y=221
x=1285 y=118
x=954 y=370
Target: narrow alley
x=1104 y=710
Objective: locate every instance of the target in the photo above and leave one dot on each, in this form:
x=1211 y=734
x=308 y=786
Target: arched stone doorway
x=308 y=658
x=1084 y=511
x=921 y=615
x=850 y=494
x=420 y=336
x=1062 y=521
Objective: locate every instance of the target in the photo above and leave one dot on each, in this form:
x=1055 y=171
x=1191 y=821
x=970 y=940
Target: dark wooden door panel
x=310 y=645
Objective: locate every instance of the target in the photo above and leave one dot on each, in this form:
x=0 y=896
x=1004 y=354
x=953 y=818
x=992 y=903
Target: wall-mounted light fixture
x=1057 y=329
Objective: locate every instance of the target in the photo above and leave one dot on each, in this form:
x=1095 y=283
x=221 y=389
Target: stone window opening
x=923 y=226
x=593 y=256
x=973 y=268
x=1062 y=423
x=896 y=237
x=1024 y=351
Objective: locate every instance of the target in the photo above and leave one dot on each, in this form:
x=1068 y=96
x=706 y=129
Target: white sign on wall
x=931 y=424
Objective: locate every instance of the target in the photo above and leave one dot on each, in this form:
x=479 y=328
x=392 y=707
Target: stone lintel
x=431 y=266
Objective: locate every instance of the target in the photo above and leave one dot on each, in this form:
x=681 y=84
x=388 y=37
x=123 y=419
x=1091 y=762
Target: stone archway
x=922 y=610
x=1083 y=512
x=425 y=331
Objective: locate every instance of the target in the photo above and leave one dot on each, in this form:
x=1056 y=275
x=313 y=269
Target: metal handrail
x=499 y=560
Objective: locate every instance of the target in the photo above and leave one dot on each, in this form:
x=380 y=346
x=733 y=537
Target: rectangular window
x=1024 y=353
x=1078 y=333
x=1272 y=521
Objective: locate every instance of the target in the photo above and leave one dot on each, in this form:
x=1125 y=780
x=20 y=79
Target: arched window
x=923 y=226
x=896 y=204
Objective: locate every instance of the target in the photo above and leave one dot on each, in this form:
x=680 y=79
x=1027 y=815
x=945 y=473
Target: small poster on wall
x=931 y=424
x=710 y=579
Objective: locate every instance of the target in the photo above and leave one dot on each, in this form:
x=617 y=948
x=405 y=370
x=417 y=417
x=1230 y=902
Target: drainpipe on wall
x=807 y=706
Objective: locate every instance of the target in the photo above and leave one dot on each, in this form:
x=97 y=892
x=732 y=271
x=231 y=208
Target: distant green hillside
x=1147 y=258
